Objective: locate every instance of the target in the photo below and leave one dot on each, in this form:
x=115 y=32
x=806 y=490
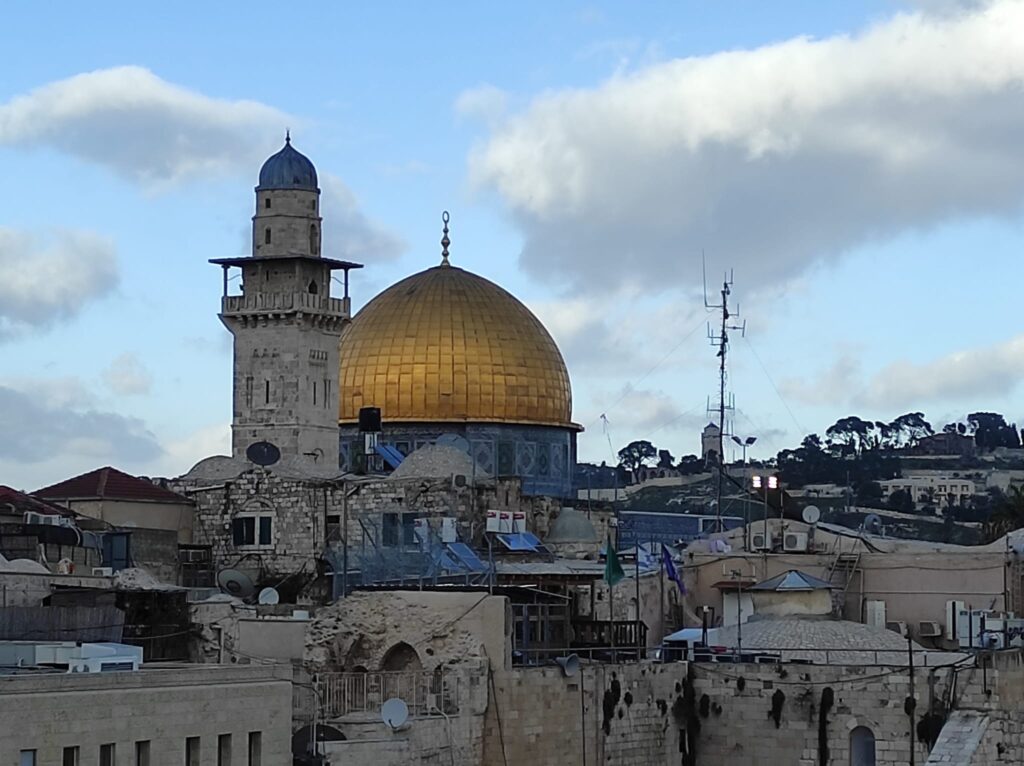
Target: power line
x=774 y=387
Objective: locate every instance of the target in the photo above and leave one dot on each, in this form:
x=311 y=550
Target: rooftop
x=109 y=484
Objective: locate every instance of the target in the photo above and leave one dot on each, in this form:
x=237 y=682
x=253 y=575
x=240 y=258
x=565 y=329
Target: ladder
x=840 y=574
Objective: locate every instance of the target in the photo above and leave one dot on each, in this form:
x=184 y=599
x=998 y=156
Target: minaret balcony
x=262 y=303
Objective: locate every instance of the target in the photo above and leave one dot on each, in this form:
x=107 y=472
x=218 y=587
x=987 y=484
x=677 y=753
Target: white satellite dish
x=394 y=712
x=811 y=514
x=269 y=596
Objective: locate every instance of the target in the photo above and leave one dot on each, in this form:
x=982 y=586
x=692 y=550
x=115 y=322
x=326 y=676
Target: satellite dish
x=394 y=712
x=453 y=440
x=269 y=596
x=263 y=453
x=873 y=524
x=235 y=583
x=811 y=514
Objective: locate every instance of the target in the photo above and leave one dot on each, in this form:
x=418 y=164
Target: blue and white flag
x=670 y=569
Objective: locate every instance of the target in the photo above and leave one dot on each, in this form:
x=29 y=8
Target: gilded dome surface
x=445 y=345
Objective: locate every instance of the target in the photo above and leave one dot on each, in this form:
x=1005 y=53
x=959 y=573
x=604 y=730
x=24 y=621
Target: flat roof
x=242 y=260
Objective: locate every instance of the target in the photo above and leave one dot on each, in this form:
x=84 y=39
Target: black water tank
x=369 y=419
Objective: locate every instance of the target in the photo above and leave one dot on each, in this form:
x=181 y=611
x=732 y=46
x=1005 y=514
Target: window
x=192 y=751
x=252 y=530
x=224 y=750
x=314 y=393
x=312 y=287
x=314 y=244
x=70 y=757
x=266 y=203
x=266 y=392
x=28 y=758
x=266 y=236
x=255 y=748
x=327 y=393
x=248 y=391
x=334 y=533
x=142 y=752
x=862 y=747
x=107 y=754
x=399 y=529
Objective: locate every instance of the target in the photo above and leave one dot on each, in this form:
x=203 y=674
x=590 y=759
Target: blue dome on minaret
x=288 y=169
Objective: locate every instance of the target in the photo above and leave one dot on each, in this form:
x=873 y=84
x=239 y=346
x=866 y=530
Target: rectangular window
x=390 y=530
x=243 y=530
x=266 y=236
x=28 y=758
x=192 y=751
x=314 y=393
x=142 y=752
x=248 y=391
x=266 y=203
x=266 y=392
x=107 y=757
x=409 y=530
x=70 y=757
x=265 y=530
x=255 y=748
x=224 y=750
x=334 y=533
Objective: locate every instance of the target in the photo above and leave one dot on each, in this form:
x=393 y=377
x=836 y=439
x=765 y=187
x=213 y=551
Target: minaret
x=285 y=323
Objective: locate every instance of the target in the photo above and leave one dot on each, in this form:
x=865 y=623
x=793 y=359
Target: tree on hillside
x=637 y=454
x=689 y=465
x=901 y=500
x=909 y=429
x=991 y=430
x=665 y=459
x=1007 y=516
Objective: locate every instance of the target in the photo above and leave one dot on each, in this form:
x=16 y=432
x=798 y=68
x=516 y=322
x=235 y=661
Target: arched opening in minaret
x=312 y=287
x=266 y=203
x=266 y=236
x=314 y=244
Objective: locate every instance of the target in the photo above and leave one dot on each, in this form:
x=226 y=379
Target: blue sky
x=857 y=164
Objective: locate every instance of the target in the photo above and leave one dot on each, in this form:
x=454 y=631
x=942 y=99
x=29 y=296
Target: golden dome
x=446 y=345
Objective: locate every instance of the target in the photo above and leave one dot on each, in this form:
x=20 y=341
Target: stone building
x=160 y=716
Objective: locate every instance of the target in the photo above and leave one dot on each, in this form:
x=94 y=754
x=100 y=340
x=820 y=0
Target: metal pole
x=912 y=702
x=344 y=529
x=661 y=586
x=583 y=720
x=636 y=624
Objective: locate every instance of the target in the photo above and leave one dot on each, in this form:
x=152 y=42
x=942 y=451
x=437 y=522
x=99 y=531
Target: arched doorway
x=862 y=747
x=401 y=657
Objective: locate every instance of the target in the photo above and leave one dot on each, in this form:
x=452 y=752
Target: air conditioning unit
x=795 y=542
x=759 y=541
x=193 y=555
x=102 y=572
x=929 y=629
x=31 y=517
x=897 y=627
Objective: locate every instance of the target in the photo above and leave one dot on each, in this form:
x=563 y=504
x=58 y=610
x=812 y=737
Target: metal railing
x=255 y=302
x=424 y=692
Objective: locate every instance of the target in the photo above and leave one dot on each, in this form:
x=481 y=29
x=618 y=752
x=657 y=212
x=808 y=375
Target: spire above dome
x=288 y=169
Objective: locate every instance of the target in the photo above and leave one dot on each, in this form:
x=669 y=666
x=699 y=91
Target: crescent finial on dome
x=444 y=239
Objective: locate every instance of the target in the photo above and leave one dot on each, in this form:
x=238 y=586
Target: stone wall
x=50 y=712
x=156 y=551
x=442 y=628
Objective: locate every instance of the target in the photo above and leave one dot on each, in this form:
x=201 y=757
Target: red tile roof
x=109 y=484
x=11 y=500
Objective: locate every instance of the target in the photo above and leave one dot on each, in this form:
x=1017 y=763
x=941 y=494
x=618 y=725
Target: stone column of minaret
x=285 y=323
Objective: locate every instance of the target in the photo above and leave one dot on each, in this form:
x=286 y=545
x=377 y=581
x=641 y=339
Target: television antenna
x=719 y=338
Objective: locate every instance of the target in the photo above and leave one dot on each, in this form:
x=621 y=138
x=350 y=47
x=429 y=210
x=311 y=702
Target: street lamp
x=744 y=443
x=765 y=482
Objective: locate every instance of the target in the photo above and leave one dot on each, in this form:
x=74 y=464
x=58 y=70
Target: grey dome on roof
x=571 y=526
x=288 y=169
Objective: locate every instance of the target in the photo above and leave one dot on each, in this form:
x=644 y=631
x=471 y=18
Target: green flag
x=612 y=568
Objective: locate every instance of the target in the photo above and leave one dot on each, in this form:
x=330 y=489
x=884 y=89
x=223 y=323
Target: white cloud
x=127 y=376
x=141 y=127
x=770 y=158
x=36 y=431
x=49 y=278
x=348 y=232
x=484 y=102
x=833 y=385
x=181 y=454
x=970 y=375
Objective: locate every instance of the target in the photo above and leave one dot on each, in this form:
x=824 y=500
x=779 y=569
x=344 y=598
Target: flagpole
x=661 y=585
x=636 y=625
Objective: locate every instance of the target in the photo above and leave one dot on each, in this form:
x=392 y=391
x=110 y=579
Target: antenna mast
x=726 y=401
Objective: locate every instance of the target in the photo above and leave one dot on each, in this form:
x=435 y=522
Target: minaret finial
x=444 y=240
x=287 y=135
